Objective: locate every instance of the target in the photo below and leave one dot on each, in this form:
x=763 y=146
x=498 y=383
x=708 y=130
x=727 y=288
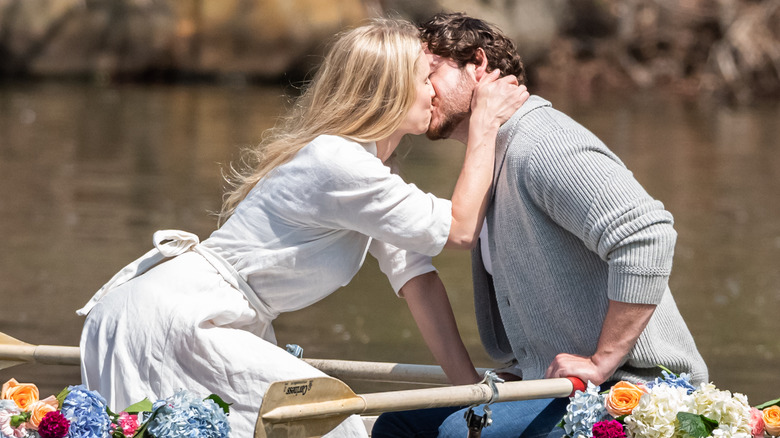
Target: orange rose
x=772 y=420
x=23 y=394
x=623 y=398
x=41 y=408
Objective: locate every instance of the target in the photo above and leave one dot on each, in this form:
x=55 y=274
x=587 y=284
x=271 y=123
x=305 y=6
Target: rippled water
x=89 y=173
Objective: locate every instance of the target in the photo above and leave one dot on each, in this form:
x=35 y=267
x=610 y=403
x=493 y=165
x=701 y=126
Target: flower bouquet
x=80 y=413
x=670 y=406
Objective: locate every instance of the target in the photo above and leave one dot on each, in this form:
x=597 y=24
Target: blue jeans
x=526 y=419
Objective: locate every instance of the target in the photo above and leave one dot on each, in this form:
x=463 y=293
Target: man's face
x=452 y=102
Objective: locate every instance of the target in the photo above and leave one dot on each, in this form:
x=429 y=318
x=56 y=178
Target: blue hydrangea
x=86 y=411
x=673 y=380
x=186 y=415
x=584 y=410
x=9 y=405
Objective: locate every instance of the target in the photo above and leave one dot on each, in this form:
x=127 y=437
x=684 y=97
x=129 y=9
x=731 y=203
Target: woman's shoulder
x=338 y=152
x=330 y=142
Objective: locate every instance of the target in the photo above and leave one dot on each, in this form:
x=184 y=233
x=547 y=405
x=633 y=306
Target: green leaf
x=61 y=396
x=221 y=403
x=666 y=369
x=696 y=425
x=16 y=420
x=768 y=404
x=144 y=405
x=111 y=414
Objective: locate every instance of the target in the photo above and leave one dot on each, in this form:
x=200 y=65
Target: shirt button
x=507 y=301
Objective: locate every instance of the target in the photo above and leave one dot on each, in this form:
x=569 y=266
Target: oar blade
x=314 y=398
x=11 y=341
x=310 y=428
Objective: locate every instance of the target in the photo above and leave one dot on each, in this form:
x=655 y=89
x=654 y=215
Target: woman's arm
x=495 y=100
x=427 y=300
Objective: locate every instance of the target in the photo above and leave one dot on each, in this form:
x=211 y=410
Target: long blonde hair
x=362 y=91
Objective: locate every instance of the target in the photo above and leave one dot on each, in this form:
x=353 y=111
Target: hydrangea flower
x=656 y=414
x=86 y=411
x=669 y=379
x=584 y=410
x=184 y=414
x=731 y=412
x=9 y=405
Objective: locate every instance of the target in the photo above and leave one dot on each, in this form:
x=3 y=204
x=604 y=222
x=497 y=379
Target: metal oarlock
x=296 y=350
x=475 y=423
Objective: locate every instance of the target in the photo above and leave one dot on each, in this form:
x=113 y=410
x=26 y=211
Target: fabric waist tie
x=171 y=243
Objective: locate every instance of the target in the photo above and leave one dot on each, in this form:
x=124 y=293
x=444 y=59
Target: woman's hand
x=496 y=99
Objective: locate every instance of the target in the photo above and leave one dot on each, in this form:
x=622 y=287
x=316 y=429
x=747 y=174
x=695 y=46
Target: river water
x=88 y=173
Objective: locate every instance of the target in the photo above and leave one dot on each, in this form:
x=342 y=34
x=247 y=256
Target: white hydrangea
x=656 y=414
x=731 y=412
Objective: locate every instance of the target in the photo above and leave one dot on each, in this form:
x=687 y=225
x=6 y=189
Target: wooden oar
x=313 y=407
x=15 y=352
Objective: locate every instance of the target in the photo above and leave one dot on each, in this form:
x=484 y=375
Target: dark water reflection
x=88 y=174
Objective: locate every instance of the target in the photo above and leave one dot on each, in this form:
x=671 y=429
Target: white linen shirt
x=304 y=230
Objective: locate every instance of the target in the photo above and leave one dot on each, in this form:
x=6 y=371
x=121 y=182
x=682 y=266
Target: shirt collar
x=370 y=147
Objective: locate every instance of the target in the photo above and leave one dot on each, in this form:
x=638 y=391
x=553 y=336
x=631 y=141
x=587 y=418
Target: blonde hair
x=362 y=91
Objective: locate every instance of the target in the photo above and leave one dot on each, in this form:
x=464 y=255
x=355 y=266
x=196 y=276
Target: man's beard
x=445 y=128
x=453 y=111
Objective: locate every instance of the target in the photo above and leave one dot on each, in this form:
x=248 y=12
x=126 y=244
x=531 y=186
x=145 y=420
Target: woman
x=297 y=227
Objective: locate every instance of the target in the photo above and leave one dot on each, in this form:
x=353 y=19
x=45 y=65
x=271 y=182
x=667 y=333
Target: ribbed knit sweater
x=570 y=228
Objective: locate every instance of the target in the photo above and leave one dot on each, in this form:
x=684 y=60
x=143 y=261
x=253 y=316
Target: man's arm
x=427 y=300
x=622 y=326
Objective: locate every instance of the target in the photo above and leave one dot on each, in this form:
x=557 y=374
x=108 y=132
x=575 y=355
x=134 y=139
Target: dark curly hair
x=458 y=36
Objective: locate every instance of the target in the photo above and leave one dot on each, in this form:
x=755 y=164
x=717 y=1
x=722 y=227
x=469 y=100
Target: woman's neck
x=386 y=146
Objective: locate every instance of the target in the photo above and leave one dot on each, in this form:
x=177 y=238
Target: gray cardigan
x=569 y=229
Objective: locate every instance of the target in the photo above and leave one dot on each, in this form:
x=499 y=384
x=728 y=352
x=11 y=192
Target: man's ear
x=481 y=64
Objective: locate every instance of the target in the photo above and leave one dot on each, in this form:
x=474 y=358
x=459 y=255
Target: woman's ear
x=481 y=64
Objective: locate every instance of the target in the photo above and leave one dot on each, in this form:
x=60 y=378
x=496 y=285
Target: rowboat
x=314 y=406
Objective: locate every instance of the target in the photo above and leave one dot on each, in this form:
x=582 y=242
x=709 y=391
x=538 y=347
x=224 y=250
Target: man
x=572 y=277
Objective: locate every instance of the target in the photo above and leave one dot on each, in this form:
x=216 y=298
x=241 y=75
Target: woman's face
x=419 y=116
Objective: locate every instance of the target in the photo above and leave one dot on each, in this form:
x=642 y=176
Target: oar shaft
x=422 y=399
x=46 y=354
x=466 y=395
x=382 y=371
x=342 y=369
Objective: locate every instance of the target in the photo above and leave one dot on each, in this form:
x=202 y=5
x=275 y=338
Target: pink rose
x=756 y=422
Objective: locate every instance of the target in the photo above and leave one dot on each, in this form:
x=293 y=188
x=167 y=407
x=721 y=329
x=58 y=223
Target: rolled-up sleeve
x=399 y=265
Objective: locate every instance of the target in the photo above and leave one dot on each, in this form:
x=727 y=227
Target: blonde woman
x=296 y=227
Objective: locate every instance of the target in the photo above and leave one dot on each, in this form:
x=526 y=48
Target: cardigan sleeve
x=587 y=190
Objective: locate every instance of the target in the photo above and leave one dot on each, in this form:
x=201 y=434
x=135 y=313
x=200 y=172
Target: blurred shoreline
x=727 y=49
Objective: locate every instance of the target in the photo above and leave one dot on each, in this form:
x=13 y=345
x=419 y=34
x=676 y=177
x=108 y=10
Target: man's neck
x=461 y=132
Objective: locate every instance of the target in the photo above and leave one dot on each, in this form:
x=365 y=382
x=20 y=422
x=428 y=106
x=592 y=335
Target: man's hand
x=582 y=367
x=622 y=326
